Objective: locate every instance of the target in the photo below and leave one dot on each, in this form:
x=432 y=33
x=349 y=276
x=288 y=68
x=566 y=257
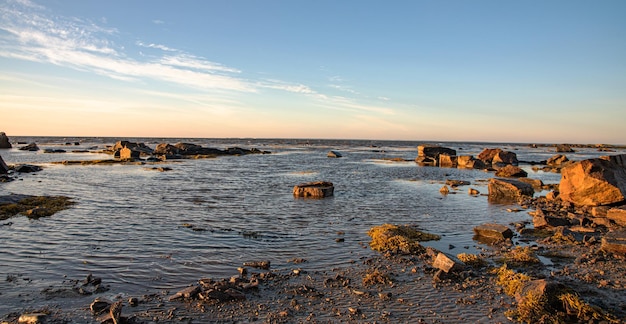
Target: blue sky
x=522 y=71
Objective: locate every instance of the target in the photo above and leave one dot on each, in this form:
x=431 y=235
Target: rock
x=557 y=160
x=265 y=265
x=535 y=183
x=30 y=147
x=429 y=154
x=511 y=171
x=619 y=159
x=4 y=141
x=564 y=148
x=333 y=154
x=444 y=190
x=508 y=190
x=456 y=183
x=494 y=231
x=38 y=212
x=32 y=318
x=189 y=292
x=447 y=263
x=54 y=151
x=319 y=189
x=540 y=289
x=166 y=149
x=493 y=156
x=129 y=154
x=599 y=211
x=593 y=182
x=4 y=168
x=27 y=168
x=541 y=220
x=116 y=311
x=99 y=305
x=473 y=192
x=618 y=215
x=614 y=242
x=447 y=161
x=552 y=195
x=140 y=147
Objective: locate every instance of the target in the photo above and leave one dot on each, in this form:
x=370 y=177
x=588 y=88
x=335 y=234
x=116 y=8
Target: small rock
x=319 y=189
x=265 y=265
x=495 y=231
x=188 y=292
x=32 y=318
x=334 y=154
x=447 y=263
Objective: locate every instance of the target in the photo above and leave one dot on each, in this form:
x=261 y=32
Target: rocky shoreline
x=566 y=264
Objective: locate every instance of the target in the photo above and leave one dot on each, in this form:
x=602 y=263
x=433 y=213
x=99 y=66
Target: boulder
x=319 y=189
x=493 y=231
x=27 y=168
x=493 y=156
x=4 y=168
x=447 y=263
x=614 y=242
x=617 y=215
x=535 y=183
x=429 y=154
x=541 y=220
x=557 y=160
x=4 y=141
x=541 y=289
x=166 y=149
x=508 y=190
x=511 y=171
x=333 y=154
x=447 y=160
x=129 y=154
x=593 y=182
x=564 y=148
x=30 y=147
x=140 y=147
x=619 y=159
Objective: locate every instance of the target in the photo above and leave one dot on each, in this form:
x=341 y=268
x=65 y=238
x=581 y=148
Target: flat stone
x=447 y=263
x=495 y=231
x=188 y=292
x=319 y=189
x=618 y=215
x=614 y=242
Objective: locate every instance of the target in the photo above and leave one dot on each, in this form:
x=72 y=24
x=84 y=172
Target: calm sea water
x=130 y=225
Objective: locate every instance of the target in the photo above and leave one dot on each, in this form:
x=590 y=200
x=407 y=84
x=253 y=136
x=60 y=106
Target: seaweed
x=398 y=238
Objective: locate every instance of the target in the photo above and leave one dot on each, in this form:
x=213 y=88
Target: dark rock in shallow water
x=511 y=171
x=4 y=168
x=333 y=154
x=429 y=154
x=4 y=141
x=27 y=168
x=30 y=147
x=495 y=231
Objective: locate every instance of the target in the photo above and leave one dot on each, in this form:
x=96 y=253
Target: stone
x=463 y=160
x=99 y=305
x=511 y=171
x=614 y=242
x=140 y=147
x=447 y=160
x=456 y=183
x=166 y=149
x=599 y=211
x=447 y=263
x=508 y=190
x=535 y=183
x=27 y=168
x=429 y=154
x=494 y=231
x=444 y=190
x=319 y=189
x=617 y=215
x=557 y=160
x=32 y=147
x=4 y=168
x=473 y=192
x=493 y=156
x=32 y=318
x=552 y=195
x=619 y=159
x=129 y=154
x=189 y=292
x=564 y=148
x=4 y=141
x=333 y=154
x=540 y=289
x=593 y=182
x=541 y=220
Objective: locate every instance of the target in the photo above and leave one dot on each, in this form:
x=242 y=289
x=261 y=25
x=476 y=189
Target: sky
x=495 y=71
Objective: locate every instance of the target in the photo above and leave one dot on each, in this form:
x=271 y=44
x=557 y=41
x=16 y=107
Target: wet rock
x=447 y=263
x=139 y=147
x=129 y=154
x=511 y=171
x=32 y=147
x=473 y=192
x=541 y=220
x=540 y=289
x=429 y=154
x=32 y=318
x=189 y=292
x=167 y=150
x=508 y=190
x=535 y=183
x=593 y=182
x=27 y=168
x=116 y=311
x=469 y=162
x=557 y=160
x=494 y=156
x=444 y=190
x=54 y=151
x=38 y=212
x=265 y=265
x=447 y=161
x=494 y=231
x=319 y=189
x=4 y=168
x=4 y=141
x=564 y=148
x=614 y=242
x=618 y=215
x=619 y=159
x=333 y=154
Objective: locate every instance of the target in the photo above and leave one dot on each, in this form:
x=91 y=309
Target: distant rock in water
x=564 y=148
x=429 y=154
x=494 y=156
x=319 y=189
x=511 y=171
x=30 y=147
x=333 y=154
x=4 y=141
x=508 y=190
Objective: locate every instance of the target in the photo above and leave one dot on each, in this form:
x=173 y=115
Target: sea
x=143 y=231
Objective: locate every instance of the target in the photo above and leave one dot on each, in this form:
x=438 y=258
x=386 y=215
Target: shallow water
x=131 y=225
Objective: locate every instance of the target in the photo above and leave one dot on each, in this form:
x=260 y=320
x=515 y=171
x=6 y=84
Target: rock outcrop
x=557 y=160
x=30 y=147
x=593 y=182
x=4 y=141
x=493 y=156
x=511 y=171
x=429 y=154
x=508 y=190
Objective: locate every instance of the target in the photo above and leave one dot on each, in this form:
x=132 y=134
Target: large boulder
x=4 y=168
x=593 y=182
x=508 y=190
x=429 y=154
x=511 y=171
x=4 y=141
x=493 y=156
x=469 y=162
x=619 y=159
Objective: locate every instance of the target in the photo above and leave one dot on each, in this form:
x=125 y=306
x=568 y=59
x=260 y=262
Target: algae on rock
x=398 y=238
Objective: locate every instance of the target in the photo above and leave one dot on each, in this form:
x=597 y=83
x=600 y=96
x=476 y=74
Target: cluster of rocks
x=125 y=150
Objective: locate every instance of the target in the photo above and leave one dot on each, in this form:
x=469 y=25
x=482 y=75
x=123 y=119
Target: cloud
x=285 y=86
x=158 y=22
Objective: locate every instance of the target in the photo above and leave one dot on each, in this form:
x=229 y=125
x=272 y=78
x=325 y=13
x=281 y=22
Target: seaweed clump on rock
x=33 y=206
x=398 y=239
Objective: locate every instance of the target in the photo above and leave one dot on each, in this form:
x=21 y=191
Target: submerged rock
x=30 y=147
